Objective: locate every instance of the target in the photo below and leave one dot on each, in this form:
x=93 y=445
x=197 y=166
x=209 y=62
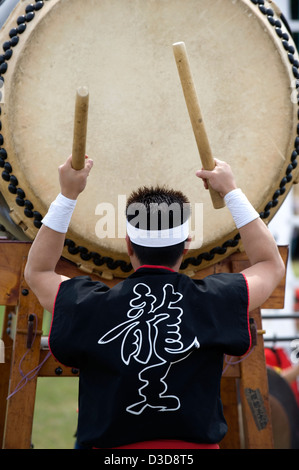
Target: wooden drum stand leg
x=246 y=398
x=5 y=367
x=249 y=389
x=23 y=311
x=254 y=395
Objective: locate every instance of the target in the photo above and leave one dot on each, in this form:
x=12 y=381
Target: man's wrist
x=59 y=214
x=240 y=208
x=229 y=190
x=69 y=194
x=229 y=196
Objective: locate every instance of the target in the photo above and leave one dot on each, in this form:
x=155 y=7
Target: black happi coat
x=150 y=353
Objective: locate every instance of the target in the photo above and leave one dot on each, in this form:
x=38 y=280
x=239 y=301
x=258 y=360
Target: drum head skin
x=245 y=67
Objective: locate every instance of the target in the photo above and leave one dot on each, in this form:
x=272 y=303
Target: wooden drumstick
x=196 y=118
x=80 y=128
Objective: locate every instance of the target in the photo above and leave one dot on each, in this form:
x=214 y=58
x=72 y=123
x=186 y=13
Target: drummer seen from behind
x=150 y=349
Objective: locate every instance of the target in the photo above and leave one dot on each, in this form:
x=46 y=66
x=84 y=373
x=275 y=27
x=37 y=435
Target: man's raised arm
x=47 y=247
x=267 y=268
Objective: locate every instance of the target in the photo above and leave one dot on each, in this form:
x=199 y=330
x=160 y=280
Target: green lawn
x=295 y=265
x=55 y=416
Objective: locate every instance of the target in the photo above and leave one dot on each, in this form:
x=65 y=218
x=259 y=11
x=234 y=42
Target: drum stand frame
x=244 y=383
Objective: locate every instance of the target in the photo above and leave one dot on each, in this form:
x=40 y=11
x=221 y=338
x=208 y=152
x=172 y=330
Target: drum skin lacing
x=13 y=185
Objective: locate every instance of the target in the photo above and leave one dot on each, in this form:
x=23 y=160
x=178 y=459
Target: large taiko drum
x=245 y=68
x=284 y=412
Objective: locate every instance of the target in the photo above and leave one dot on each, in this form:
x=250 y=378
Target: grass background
x=55 y=415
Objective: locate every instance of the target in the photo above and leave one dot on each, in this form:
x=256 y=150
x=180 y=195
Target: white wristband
x=59 y=214
x=240 y=208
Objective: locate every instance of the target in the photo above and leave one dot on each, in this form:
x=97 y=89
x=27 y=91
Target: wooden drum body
x=245 y=68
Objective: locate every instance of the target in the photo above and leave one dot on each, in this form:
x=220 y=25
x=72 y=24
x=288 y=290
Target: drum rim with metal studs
x=32 y=29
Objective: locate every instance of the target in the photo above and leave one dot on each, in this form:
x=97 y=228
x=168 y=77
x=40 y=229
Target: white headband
x=158 y=238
